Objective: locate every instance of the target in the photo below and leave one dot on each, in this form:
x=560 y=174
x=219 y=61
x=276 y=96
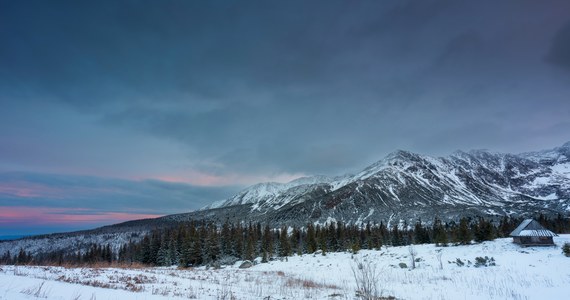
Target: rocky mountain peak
x=406 y=186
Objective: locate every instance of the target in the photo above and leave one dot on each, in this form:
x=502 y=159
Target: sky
x=119 y=110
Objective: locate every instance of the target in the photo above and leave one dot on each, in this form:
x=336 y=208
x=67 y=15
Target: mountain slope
x=403 y=186
x=407 y=186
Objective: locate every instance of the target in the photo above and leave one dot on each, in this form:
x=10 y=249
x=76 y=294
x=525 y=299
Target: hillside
x=403 y=186
x=408 y=186
x=515 y=273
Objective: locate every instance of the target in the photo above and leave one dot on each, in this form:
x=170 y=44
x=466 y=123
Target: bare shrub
x=308 y=284
x=566 y=249
x=97 y=283
x=76 y=296
x=133 y=287
x=438 y=256
x=36 y=291
x=484 y=262
x=413 y=254
x=143 y=279
x=366 y=277
x=225 y=293
x=18 y=272
x=189 y=293
x=163 y=291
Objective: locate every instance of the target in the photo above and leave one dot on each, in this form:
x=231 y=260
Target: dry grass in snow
x=439 y=273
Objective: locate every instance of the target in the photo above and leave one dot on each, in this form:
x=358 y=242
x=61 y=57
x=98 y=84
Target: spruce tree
x=463 y=234
x=483 y=231
x=439 y=233
x=311 y=239
x=238 y=241
x=186 y=252
x=396 y=236
x=267 y=243
x=296 y=246
x=249 y=250
x=341 y=236
x=332 y=237
x=196 y=253
x=284 y=246
x=226 y=239
x=212 y=244
x=162 y=257
x=322 y=239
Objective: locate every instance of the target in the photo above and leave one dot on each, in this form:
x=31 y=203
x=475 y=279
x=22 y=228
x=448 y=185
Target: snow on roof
x=536 y=233
x=530 y=227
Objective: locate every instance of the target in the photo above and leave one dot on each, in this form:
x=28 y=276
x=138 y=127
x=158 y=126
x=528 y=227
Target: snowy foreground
x=520 y=273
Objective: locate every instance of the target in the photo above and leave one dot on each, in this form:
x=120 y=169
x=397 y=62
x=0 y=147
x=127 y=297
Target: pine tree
x=463 y=235
x=267 y=243
x=238 y=241
x=421 y=235
x=226 y=239
x=322 y=239
x=173 y=252
x=186 y=252
x=341 y=236
x=483 y=231
x=296 y=241
x=196 y=253
x=162 y=257
x=108 y=254
x=439 y=234
x=249 y=250
x=284 y=246
x=6 y=258
x=396 y=236
x=355 y=247
x=23 y=257
x=376 y=238
x=362 y=238
x=311 y=239
x=384 y=233
x=332 y=237
x=156 y=241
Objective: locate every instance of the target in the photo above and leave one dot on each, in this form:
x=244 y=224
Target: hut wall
x=533 y=240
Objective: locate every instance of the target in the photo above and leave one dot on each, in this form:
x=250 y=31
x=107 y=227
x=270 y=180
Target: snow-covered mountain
x=267 y=192
x=402 y=186
x=407 y=186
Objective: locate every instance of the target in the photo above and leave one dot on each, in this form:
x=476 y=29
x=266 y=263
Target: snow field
x=519 y=273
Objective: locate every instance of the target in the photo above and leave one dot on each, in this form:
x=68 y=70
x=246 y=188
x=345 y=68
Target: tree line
x=202 y=243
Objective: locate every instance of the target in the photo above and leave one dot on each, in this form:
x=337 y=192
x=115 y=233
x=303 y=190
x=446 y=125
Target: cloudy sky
x=117 y=110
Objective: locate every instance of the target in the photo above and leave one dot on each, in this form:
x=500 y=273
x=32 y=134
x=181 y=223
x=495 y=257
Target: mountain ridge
x=403 y=187
x=491 y=183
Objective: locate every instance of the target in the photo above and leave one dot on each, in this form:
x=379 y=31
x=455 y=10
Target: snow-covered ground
x=519 y=273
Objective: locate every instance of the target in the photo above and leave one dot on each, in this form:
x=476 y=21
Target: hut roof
x=530 y=227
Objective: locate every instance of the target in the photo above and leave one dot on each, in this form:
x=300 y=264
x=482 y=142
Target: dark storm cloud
x=560 y=49
x=294 y=86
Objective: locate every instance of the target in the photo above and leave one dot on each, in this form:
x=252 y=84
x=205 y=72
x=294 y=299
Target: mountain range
x=409 y=186
x=403 y=186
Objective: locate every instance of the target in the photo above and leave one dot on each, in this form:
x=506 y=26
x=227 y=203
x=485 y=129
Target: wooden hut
x=531 y=233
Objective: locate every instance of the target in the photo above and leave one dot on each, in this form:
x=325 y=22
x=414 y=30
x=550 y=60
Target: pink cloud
x=29 y=190
x=204 y=179
x=62 y=216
